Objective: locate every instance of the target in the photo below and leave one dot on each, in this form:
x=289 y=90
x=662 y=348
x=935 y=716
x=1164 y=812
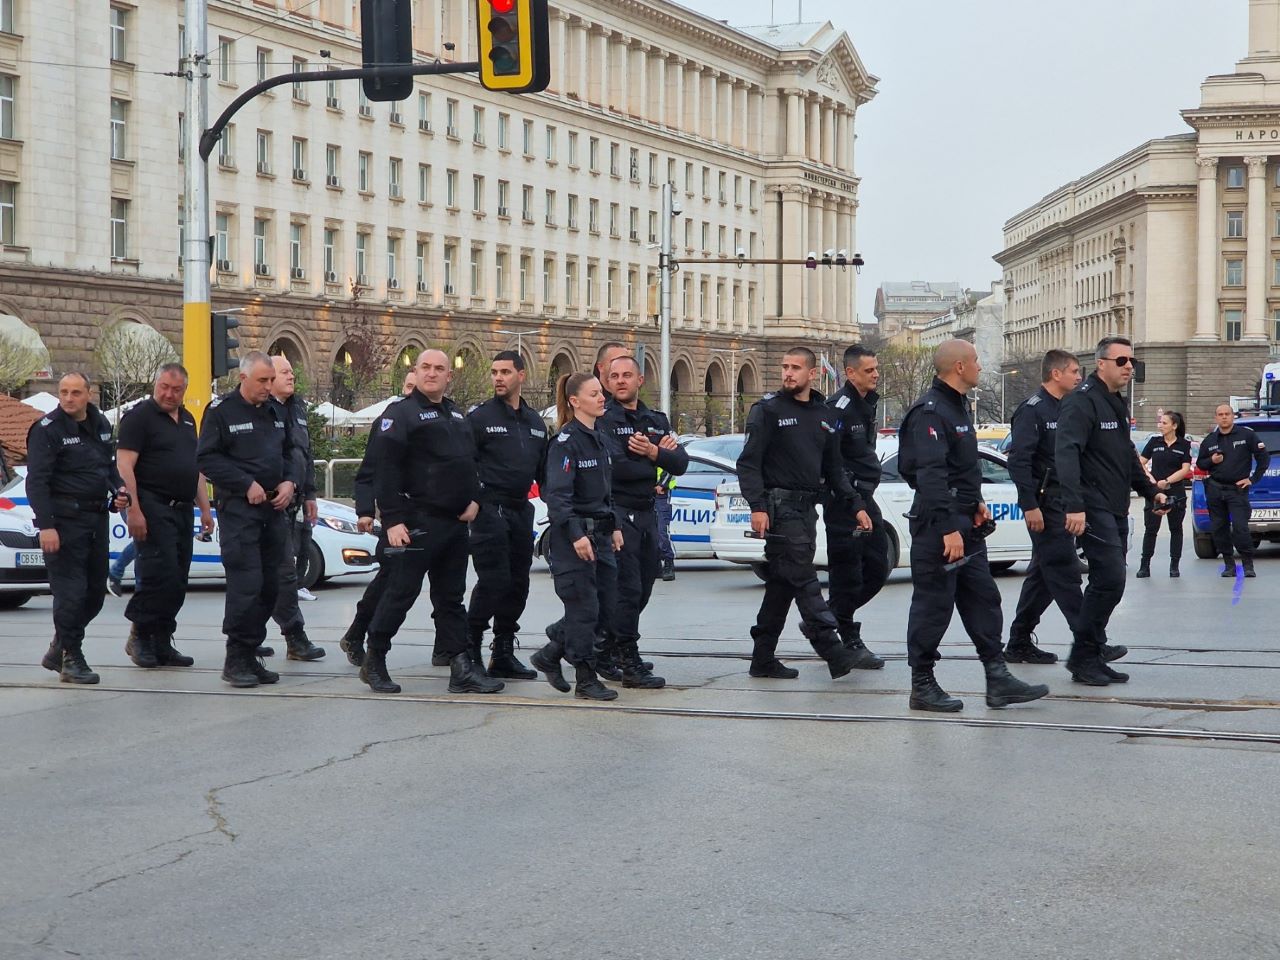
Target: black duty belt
x=634 y=503
x=866 y=485
x=164 y=500
x=503 y=500
x=803 y=497
x=601 y=523
x=84 y=506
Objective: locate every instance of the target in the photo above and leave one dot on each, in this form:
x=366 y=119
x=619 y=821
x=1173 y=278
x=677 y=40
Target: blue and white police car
x=1010 y=544
x=1264 y=497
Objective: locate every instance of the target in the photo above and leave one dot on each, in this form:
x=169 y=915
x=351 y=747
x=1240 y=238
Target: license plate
x=1265 y=515
x=30 y=558
x=738 y=503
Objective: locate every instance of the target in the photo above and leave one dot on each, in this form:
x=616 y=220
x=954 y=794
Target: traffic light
x=386 y=39
x=514 y=42
x=224 y=345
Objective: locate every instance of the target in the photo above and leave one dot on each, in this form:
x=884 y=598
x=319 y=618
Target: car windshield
x=13 y=482
x=1270 y=435
x=728 y=446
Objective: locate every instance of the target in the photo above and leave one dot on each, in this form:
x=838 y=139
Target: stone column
x=1208 y=265
x=842 y=139
x=693 y=116
x=828 y=135
x=814 y=133
x=795 y=234
x=658 y=88
x=712 y=120
x=830 y=241
x=559 y=41
x=639 y=103
x=674 y=70
x=1259 y=248
x=844 y=278
x=740 y=123
x=596 y=82
x=795 y=123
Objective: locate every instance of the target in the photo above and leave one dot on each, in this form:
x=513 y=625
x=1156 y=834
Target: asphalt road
x=163 y=815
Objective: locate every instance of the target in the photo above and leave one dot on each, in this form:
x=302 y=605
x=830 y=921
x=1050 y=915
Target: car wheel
x=1001 y=566
x=761 y=570
x=895 y=551
x=312 y=571
x=1203 y=545
x=12 y=601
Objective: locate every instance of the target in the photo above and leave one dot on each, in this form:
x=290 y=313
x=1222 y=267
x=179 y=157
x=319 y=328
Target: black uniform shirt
x=241 y=443
x=426 y=460
x=364 y=495
x=938 y=456
x=294 y=413
x=792 y=446
x=635 y=476
x=69 y=459
x=1095 y=458
x=166 y=449
x=579 y=477
x=856 y=423
x=511 y=445
x=1167 y=459
x=1238 y=449
x=1034 y=434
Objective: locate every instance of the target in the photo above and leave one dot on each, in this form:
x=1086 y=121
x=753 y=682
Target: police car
x=337 y=548
x=1009 y=544
x=1264 y=497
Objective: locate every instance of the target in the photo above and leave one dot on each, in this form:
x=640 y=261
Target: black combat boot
x=634 y=672
x=1173 y=567
x=262 y=650
x=851 y=637
x=1085 y=662
x=236 y=670
x=589 y=686
x=261 y=672
x=1144 y=568
x=1115 y=676
x=1003 y=688
x=52 y=659
x=300 y=647
x=1113 y=651
x=668 y=570
x=504 y=662
x=927 y=695
x=141 y=648
x=465 y=676
x=74 y=668
x=607 y=664
x=773 y=670
x=167 y=655
x=373 y=671
x=826 y=641
x=1247 y=562
x=352 y=644
x=547 y=662
x=1228 y=568
x=1022 y=649
x=439 y=658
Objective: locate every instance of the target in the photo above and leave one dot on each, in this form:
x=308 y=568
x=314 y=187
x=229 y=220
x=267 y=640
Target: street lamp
x=1006 y=373
x=733 y=382
x=519 y=335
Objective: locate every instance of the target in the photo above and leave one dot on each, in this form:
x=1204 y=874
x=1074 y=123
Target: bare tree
x=366 y=375
x=18 y=363
x=1020 y=382
x=905 y=373
x=126 y=360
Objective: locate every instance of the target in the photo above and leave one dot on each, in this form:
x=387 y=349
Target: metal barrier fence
x=337 y=478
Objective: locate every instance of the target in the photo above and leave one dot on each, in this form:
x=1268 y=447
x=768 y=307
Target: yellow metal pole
x=197 y=357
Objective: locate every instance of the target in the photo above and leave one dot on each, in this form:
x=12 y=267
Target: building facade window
x=1235 y=178
x=363 y=163
x=477 y=126
x=1235 y=224
x=299 y=87
x=8 y=212
x=119 y=129
x=119 y=229
x=477 y=194
x=331 y=98
x=573 y=148
x=393 y=263
x=424 y=112
x=526 y=203
x=262 y=63
x=450 y=266
x=1235 y=273
x=451 y=189
x=504 y=131
x=573 y=212
x=551 y=208
x=395 y=178
x=299 y=159
x=477 y=271
x=222 y=241
x=504 y=198
x=260 y=262
x=451 y=118
x=593 y=155
x=362 y=259
x=333 y=165
x=365 y=107
x=226 y=48
x=6 y=16
x=424 y=183
x=227 y=147
x=551 y=144
x=119 y=34
x=526 y=138
x=422 y=257
x=297 y=261
x=330 y=255
x=526 y=267
x=1234 y=323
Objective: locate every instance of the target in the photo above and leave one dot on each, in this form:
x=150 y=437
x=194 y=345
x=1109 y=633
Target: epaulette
x=473 y=408
x=215 y=401
x=768 y=396
x=562 y=437
x=1032 y=401
x=929 y=405
x=842 y=402
x=45 y=421
x=1084 y=387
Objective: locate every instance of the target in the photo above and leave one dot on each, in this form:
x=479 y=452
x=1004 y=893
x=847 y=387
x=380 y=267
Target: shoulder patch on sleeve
x=473 y=408
x=214 y=402
x=768 y=396
x=562 y=437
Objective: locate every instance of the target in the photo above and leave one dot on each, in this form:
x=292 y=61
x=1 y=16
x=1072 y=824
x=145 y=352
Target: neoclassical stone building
x=1175 y=244
x=458 y=218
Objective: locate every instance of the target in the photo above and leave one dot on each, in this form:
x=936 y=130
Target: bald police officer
x=246 y=451
x=71 y=484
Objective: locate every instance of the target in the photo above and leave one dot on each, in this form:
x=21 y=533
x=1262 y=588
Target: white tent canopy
x=334 y=414
x=370 y=413
x=115 y=413
x=43 y=401
x=16 y=332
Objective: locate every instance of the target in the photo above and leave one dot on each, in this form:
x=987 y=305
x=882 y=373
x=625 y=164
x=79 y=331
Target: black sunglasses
x=1120 y=361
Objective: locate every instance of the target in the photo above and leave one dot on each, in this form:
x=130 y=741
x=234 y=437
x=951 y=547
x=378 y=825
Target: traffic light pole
x=196 y=347
x=664 y=302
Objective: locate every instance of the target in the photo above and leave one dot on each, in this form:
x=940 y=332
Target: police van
x=1264 y=496
x=1010 y=544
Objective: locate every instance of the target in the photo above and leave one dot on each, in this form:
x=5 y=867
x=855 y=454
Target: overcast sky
x=985 y=106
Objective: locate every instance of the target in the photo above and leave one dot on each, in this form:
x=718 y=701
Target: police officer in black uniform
x=1054 y=573
x=511 y=448
x=300 y=515
x=584 y=537
x=71 y=484
x=857 y=560
x=352 y=642
x=1167 y=457
x=1097 y=466
x=792 y=447
x=246 y=451
x=1226 y=454
x=640 y=442
x=938 y=457
x=156 y=454
x=425 y=489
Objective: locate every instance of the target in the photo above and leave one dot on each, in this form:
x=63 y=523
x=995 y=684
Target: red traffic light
x=502 y=6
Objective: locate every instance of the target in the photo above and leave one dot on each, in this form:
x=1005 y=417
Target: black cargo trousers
x=162 y=566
